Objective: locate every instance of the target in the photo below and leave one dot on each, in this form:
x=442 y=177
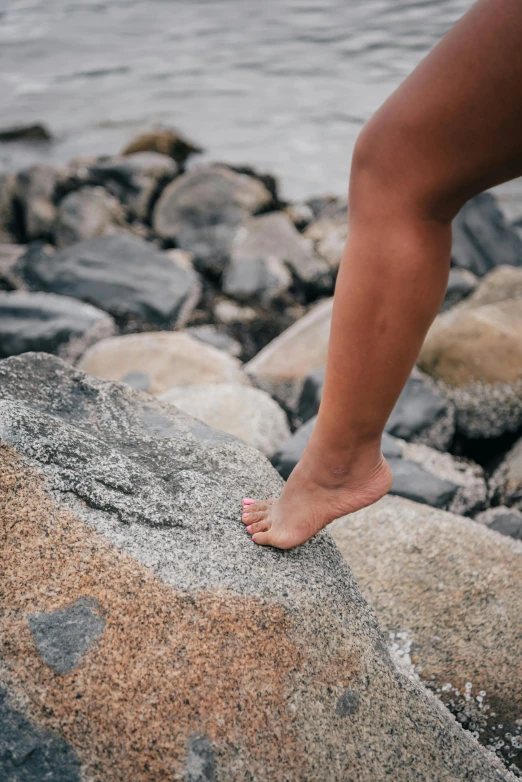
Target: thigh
x=454 y=126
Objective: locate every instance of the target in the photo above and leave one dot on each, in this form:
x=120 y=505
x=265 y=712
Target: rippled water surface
x=281 y=84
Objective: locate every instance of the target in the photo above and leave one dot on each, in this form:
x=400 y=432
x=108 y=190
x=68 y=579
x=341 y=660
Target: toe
x=259 y=526
x=250 y=517
x=262 y=538
x=248 y=501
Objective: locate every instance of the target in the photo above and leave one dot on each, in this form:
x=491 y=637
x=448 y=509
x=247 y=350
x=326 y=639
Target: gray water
x=284 y=85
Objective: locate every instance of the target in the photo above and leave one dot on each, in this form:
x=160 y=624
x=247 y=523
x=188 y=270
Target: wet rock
x=64 y=636
x=422 y=414
x=163 y=360
x=135 y=180
x=202 y=209
x=475 y=352
x=506 y=521
x=262 y=249
x=33 y=197
x=204 y=630
x=29 y=753
x=164 y=141
x=37 y=132
x=138 y=285
x=247 y=413
x=329 y=232
x=448 y=593
x=86 y=214
x=283 y=365
x=506 y=482
x=53 y=324
x=482 y=239
x=461 y=284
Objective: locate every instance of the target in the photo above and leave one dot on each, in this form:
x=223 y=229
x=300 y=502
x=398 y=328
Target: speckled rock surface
x=218 y=659
x=471 y=492
x=506 y=482
x=161 y=360
x=449 y=593
x=282 y=366
x=244 y=412
x=54 y=324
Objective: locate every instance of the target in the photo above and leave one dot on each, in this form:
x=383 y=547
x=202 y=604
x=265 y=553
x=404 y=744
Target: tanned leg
x=451 y=130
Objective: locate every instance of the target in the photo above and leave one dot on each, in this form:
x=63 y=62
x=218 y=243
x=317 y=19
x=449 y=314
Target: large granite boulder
x=54 y=324
x=202 y=209
x=86 y=214
x=482 y=239
x=247 y=413
x=449 y=593
x=475 y=352
x=157 y=361
x=259 y=249
x=139 y=286
x=283 y=365
x=145 y=637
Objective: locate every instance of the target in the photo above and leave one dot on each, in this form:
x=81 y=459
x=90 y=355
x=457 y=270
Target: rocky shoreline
x=194 y=297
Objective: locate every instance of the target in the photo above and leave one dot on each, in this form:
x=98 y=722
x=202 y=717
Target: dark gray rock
x=64 y=636
x=260 y=250
x=37 y=132
x=461 y=284
x=139 y=286
x=506 y=481
x=135 y=180
x=50 y=323
x=30 y=754
x=287 y=456
x=422 y=414
x=482 y=239
x=138 y=380
x=507 y=521
x=413 y=482
x=34 y=199
x=201 y=763
x=202 y=209
x=85 y=214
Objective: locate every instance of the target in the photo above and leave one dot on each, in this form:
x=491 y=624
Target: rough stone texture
x=329 y=232
x=449 y=593
x=247 y=413
x=130 y=279
x=260 y=250
x=30 y=754
x=475 y=352
x=471 y=494
x=135 y=180
x=218 y=658
x=54 y=324
x=461 y=284
x=507 y=521
x=506 y=482
x=202 y=209
x=165 y=359
x=164 y=141
x=10 y=254
x=86 y=214
x=422 y=414
x=282 y=366
x=63 y=637
x=482 y=239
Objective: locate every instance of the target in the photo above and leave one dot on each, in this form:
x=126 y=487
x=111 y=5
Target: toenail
x=249 y=529
x=246 y=515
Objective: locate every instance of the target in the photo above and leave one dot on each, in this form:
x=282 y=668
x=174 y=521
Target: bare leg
x=451 y=130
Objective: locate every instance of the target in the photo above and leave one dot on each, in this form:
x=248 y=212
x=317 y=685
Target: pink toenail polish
x=249 y=529
x=246 y=515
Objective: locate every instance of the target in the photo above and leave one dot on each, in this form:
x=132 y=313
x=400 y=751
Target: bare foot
x=315 y=495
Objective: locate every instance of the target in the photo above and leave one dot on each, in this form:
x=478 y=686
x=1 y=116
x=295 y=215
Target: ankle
x=333 y=467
